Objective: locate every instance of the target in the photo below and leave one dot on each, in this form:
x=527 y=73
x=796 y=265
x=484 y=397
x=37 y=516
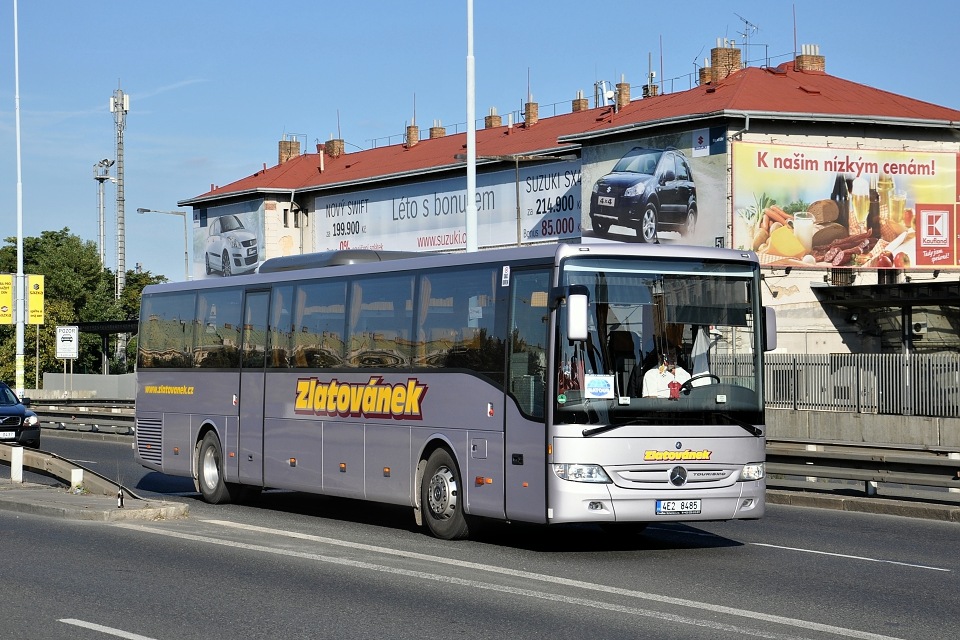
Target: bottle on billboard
x=841 y=196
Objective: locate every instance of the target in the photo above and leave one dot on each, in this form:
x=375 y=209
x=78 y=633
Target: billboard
x=228 y=239
x=530 y=202
x=833 y=207
x=666 y=188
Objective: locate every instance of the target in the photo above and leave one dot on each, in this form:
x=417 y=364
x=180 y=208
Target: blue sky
x=214 y=85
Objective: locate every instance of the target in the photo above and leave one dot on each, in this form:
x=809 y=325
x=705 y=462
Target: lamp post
x=186 y=237
x=516 y=159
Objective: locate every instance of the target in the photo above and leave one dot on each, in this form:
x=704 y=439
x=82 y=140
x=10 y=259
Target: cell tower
x=119 y=106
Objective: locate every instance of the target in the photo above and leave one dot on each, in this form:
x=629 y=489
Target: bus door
x=253 y=359
x=525 y=430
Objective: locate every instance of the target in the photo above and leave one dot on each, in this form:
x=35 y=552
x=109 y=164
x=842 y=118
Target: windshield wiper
x=610 y=427
x=749 y=428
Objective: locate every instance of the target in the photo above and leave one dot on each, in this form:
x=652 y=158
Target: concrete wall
x=829 y=426
x=85 y=385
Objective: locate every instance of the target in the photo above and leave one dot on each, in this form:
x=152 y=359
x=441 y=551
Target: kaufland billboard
x=861 y=208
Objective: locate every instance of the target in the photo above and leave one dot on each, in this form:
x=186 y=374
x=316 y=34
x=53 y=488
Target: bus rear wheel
x=441 y=498
x=210 y=470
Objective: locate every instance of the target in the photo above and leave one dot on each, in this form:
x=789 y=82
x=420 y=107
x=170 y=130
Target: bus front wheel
x=210 y=470
x=441 y=497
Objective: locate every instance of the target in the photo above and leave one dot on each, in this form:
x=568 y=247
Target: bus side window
x=381 y=321
x=319 y=325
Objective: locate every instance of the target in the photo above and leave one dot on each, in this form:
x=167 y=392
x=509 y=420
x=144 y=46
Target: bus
x=508 y=384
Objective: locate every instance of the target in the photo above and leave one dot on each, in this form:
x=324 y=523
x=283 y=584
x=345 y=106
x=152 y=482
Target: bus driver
x=665 y=380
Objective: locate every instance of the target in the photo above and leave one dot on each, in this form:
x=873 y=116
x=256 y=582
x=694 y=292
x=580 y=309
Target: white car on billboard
x=231 y=247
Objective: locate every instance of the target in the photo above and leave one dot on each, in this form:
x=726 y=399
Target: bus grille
x=149 y=439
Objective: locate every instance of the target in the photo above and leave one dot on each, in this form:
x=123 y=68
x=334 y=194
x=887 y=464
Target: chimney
x=650 y=90
x=437 y=130
x=706 y=73
x=531 y=112
x=623 y=94
x=492 y=120
x=288 y=149
x=580 y=103
x=810 y=59
x=724 y=60
x=413 y=135
x=334 y=147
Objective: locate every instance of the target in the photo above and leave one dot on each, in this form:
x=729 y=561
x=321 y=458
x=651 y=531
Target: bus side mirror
x=577 y=316
x=770 y=329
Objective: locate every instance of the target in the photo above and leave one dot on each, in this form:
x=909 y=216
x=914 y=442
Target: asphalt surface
x=62 y=502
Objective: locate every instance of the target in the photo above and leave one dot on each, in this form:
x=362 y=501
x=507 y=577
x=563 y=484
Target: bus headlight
x=752 y=471
x=581 y=473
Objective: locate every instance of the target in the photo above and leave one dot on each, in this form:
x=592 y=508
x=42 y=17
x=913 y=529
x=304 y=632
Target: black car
x=18 y=425
x=650 y=190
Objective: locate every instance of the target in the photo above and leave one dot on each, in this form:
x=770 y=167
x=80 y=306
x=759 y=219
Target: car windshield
x=639 y=161
x=669 y=342
x=230 y=223
x=7 y=397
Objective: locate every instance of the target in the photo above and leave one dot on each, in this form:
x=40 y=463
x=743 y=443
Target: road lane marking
x=844 y=555
x=555 y=580
x=102 y=629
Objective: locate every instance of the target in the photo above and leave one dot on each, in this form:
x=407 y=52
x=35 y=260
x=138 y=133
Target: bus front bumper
x=604 y=503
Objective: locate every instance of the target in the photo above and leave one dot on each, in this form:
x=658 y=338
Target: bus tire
x=441 y=497
x=210 y=470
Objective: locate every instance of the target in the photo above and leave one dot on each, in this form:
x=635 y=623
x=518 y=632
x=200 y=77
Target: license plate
x=671 y=507
x=252 y=251
x=6 y=435
x=606 y=201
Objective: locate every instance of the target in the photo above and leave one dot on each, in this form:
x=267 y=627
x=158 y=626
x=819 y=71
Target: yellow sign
x=35 y=299
x=6 y=298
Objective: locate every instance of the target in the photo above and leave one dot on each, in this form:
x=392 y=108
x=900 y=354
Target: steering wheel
x=687 y=386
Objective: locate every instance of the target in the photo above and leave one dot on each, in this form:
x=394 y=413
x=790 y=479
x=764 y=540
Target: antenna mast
x=748 y=28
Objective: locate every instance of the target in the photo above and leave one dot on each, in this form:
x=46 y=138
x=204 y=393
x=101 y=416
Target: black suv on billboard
x=650 y=190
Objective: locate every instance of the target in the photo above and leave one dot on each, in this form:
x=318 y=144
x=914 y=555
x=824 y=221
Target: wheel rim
x=225 y=263
x=648 y=226
x=442 y=494
x=691 y=222
x=210 y=469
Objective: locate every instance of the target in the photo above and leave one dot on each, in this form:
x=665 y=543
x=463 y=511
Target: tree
x=77 y=288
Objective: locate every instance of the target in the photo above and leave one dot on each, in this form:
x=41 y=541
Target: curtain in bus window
x=254 y=337
x=319 y=325
x=528 y=359
x=167 y=326
x=218 y=329
x=381 y=322
x=280 y=331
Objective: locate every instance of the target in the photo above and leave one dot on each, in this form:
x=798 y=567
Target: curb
x=872 y=505
x=57 y=502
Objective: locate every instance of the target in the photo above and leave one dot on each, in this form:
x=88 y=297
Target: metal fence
x=895 y=384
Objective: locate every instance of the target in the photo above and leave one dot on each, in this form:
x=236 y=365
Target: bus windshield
x=669 y=343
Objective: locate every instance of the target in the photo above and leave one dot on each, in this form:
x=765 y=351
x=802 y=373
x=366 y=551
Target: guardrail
x=116 y=417
x=870 y=464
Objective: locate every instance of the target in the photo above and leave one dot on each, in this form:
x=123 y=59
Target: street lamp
x=186 y=237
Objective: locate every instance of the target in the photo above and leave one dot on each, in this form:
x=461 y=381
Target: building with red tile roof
x=756 y=138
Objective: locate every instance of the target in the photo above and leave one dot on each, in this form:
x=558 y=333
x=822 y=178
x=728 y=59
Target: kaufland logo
x=936 y=229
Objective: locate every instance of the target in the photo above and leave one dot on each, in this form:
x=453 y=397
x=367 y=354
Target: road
x=297 y=566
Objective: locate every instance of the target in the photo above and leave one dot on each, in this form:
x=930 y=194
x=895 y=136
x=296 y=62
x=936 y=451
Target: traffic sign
x=68 y=343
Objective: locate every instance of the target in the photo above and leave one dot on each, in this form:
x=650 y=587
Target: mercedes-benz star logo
x=678 y=476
